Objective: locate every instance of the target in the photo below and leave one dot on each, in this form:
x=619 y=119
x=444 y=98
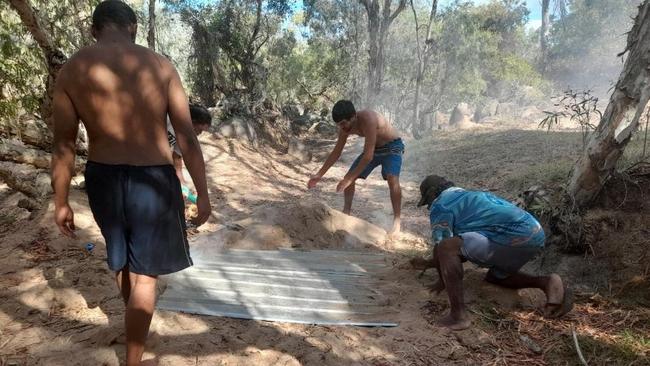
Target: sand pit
x=303 y=224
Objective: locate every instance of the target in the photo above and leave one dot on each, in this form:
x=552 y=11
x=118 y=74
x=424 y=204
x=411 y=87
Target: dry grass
x=607 y=334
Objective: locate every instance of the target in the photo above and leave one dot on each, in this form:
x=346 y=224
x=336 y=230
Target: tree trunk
x=205 y=57
x=151 y=36
x=621 y=117
x=417 y=126
x=543 y=33
x=54 y=58
x=378 y=26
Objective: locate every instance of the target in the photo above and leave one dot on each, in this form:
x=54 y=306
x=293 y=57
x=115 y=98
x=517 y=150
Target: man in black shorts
x=123 y=93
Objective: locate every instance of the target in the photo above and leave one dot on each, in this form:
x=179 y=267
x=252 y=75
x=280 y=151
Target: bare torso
x=120 y=93
x=385 y=131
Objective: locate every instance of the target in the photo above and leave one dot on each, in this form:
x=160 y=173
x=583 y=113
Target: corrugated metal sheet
x=311 y=287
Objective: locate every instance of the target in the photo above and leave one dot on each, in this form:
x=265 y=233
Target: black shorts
x=141 y=214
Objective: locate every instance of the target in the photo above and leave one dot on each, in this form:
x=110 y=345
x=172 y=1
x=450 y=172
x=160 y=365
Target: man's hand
x=64 y=218
x=313 y=180
x=343 y=184
x=204 y=210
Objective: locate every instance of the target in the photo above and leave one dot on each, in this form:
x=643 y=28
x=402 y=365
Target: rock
x=299 y=150
x=487 y=109
x=303 y=123
x=506 y=109
x=323 y=128
x=25 y=178
x=312 y=118
x=238 y=127
x=472 y=338
x=460 y=115
x=532 y=345
x=226 y=131
x=293 y=111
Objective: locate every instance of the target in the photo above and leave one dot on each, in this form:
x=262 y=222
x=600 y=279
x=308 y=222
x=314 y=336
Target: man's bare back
x=385 y=131
x=122 y=93
x=122 y=101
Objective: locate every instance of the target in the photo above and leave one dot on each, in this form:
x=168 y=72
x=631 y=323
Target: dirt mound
x=302 y=224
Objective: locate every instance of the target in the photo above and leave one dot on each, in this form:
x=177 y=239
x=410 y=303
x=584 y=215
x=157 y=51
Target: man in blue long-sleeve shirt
x=490 y=232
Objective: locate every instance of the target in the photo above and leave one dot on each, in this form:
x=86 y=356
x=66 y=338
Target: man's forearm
x=363 y=163
x=62 y=168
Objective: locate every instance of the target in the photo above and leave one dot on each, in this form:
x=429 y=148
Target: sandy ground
x=59 y=304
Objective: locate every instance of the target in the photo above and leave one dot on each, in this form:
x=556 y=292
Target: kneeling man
x=491 y=232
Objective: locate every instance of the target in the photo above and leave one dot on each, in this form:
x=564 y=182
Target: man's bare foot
x=448 y=321
x=555 y=289
x=559 y=298
x=396 y=229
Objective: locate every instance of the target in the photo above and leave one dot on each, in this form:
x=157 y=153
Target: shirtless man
x=123 y=93
x=382 y=146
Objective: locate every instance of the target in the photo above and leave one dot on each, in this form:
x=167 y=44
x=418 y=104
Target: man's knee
x=393 y=181
x=450 y=246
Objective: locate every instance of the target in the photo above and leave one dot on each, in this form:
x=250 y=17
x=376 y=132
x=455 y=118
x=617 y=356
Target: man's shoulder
x=79 y=57
x=367 y=114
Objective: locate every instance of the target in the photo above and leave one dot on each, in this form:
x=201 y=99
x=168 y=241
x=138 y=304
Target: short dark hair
x=200 y=115
x=113 y=12
x=343 y=109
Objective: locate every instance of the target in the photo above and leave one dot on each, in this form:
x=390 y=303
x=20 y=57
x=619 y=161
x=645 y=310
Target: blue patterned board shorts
x=389 y=156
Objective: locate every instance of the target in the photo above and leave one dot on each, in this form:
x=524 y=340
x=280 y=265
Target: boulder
x=304 y=122
x=293 y=111
x=238 y=127
x=460 y=115
x=323 y=128
x=506 y=109
x=487 y=109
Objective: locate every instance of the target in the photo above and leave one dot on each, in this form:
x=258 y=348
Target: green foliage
x=319 y=53
x=306 y=73
x=481 y=53
x=22 y=67
x=584 y=44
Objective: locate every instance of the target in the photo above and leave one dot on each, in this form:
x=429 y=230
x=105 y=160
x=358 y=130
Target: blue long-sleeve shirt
x=458 y=211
